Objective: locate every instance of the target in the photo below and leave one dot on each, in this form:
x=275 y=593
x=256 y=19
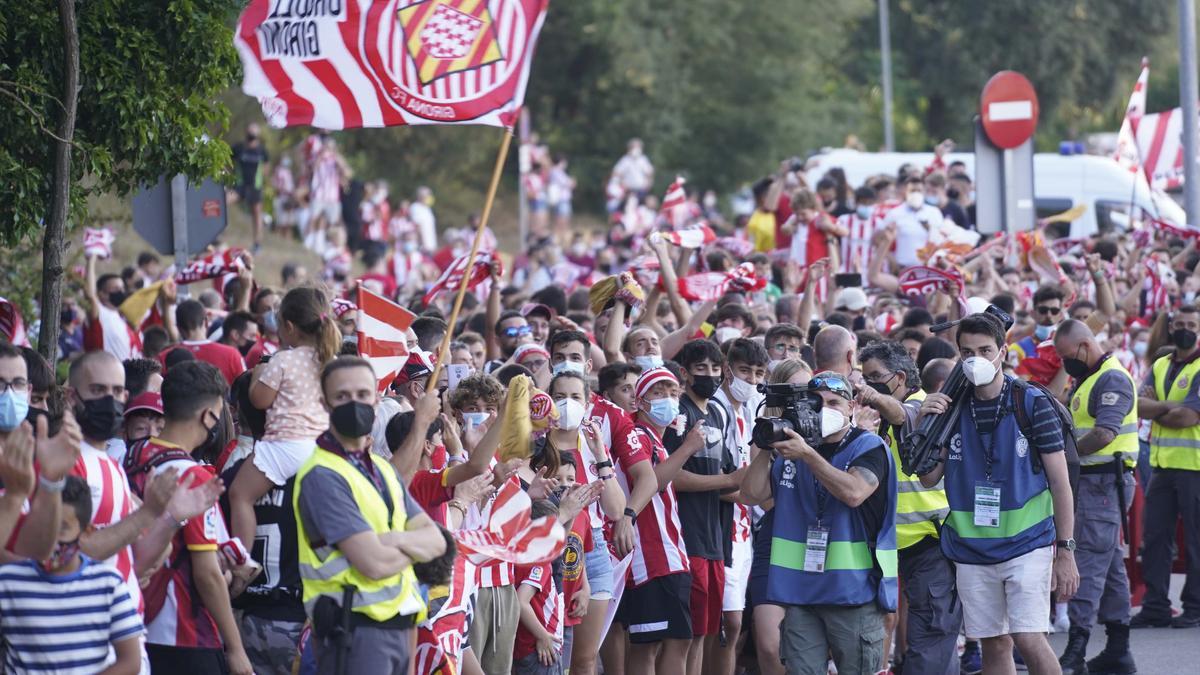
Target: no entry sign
x=1008 y=109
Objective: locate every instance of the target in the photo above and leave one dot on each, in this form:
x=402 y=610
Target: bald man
x=1104 y=405
x=833 y=349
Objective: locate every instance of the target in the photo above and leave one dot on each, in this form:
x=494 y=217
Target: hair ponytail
x=329 y=339
x=307 y=308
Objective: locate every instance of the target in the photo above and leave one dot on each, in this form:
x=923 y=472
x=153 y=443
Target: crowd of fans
x=220 y=486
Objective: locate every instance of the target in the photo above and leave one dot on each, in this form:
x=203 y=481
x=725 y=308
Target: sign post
x=1004 y=154
x=179 y=229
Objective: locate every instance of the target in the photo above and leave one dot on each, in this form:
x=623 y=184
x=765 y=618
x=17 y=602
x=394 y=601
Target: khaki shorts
x=1008 y=597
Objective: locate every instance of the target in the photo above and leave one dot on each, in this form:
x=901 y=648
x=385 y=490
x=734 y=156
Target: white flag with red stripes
x=379 y=63
x=12 y=328
x=381 y=334
x=98 y=241
x=452 y=276
x=693 y=236
x=1128 y=154
x=674 y=203
x=712 y=285
x=1160 y=138
x=511 y=535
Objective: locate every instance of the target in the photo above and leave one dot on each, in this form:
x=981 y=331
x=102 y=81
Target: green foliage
x=150 y=73
x=1081 y=57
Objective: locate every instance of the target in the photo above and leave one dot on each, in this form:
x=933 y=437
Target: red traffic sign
x=1009 y=109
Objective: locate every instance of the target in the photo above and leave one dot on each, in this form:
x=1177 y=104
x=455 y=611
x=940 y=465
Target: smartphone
x=455 y=373
x=848 y=280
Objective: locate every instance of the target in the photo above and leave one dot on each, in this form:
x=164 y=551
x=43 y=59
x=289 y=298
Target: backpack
x=138 y=467
x=1064 y=417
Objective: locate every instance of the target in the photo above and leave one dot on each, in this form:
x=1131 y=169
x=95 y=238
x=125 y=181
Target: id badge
x=816 y=546
x=987 y=505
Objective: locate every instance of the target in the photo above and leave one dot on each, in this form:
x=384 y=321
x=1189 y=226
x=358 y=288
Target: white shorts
x=1009 y=597
x=331 y=210
x=737 y=577
x=281 y=459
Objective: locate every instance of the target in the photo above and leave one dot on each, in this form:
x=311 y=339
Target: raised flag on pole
x=1128 y=154
x=381 y=334
x=674 y=204
x=377 y=63
x=1160 y=138
x=452 y=276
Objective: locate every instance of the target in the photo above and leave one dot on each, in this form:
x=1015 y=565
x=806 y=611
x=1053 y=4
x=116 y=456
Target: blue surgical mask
x=864 y=212
x=14 y=407
x=1043 y=332
x=663 y=411
x=931 y=200
x=271 y=322
x=567 y=367
x=474 y=419
x=648 y=361
x=409 y=246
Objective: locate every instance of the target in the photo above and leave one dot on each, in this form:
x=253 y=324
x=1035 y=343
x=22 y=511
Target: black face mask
x=1183 y=338
x=100 y=418
x=216 y=438
x=117 y=298
x=1078 y=369
x=353 y=419
x=245 y=349
x=705 y=386
x=880 y=387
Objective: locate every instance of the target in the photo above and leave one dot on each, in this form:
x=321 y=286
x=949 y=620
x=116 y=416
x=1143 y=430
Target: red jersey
x=620 y=437
x=227 y=359
x=175 y=615
x=547 y=606
x=783 y=211
x=111 y=333
x=264 y=347
x=428 y=488
x=658 y=548
x=112 y=500
x=384 y=284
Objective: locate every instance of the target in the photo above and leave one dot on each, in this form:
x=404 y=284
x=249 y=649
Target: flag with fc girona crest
x=340 y=64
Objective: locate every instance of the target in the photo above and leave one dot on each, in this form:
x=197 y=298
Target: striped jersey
x=658 y=548
x=624 y=445
x=112 y=500
x=547 y=606
x=111 y=333
x=64 y=623
x=739 y=435
x=856 y=245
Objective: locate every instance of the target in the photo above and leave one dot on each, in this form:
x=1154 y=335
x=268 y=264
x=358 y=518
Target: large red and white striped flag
x=511 y=535
x=712 y=285
x=381 y=334
x=1128 y=153
x=12 y=328
x=1160 y=138
x=452 y=276
x=379 y=63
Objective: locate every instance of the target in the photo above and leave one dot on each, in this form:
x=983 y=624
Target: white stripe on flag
x=380 y=330
x=362 y=88
x=327 y=110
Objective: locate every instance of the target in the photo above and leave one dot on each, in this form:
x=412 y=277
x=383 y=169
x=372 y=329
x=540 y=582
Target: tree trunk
x=54 y=238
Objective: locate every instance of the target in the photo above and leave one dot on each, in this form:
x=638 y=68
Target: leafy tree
x=102 y=96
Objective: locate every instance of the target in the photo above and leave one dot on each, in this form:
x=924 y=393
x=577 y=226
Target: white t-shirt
x=634 y=173
x=422 y=216
x=912 y=230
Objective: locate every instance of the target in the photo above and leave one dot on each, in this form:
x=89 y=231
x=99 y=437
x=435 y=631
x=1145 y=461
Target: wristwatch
x=631 y=513
x=1068 y=544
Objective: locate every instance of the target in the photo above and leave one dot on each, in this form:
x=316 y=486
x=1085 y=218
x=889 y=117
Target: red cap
x=419 y=364
x=147 y=400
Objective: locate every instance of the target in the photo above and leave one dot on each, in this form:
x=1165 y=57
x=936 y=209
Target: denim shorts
x=599 y=567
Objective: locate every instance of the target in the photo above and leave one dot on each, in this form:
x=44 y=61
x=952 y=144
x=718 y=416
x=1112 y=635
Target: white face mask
x=570 y=413
x=773 y=363
x=832 y=421
x=915 y=200
x=648 y=361
x=740 y=390
x=979 y=370
x=567 y=367
x=726 y=333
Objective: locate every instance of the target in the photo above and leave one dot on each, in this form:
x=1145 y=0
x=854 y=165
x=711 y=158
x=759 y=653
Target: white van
x=1059 y=182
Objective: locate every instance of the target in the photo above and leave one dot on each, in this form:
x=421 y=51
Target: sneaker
x=971 y=662
x=1186 y=620
x=1144 y=620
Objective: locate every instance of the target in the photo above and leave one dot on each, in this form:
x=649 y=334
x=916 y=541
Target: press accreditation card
x=987 y=505
x=816 y=546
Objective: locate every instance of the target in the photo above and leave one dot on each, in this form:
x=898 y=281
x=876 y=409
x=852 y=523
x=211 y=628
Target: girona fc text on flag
x=341 y=64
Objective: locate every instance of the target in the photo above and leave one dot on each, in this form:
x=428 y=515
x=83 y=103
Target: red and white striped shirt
x=326 y=179
x=112 y=500
x=658 y=548
x=547 y=606
x=110 y=332
x=623 y=445
x=856 y=245
x=741 y=455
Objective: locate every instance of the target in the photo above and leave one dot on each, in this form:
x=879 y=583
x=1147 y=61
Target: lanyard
x=989 y=447
x=821 y=493
x=328 y=442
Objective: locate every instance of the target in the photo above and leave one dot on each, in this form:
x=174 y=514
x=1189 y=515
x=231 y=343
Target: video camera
x=801 y=413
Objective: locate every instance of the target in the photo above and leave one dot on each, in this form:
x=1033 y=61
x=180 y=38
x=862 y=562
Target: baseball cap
x=419 y=364
x=150 y=401
x=537 y=308
x=853 y=299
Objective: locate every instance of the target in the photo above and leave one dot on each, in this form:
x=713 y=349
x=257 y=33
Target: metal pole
x=524 y=166
x=1188 y=95
x=885 y=52
x=179 y=233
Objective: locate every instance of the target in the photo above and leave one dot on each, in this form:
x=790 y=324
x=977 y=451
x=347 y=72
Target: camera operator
x=833 y=557
x=934 y=613
x=1006 y=508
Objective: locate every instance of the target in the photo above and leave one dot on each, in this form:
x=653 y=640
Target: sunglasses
x=1052 y=311
x=837 y=385
x=517 y=331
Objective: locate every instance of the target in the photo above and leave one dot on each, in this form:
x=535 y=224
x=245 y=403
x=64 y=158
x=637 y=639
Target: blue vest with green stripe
x=1026 y=506
x=858 y=570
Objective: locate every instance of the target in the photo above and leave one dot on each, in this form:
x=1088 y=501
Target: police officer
x=359 y=533
x=833 y=551
x=1010 y=503
x=1171 y=399
x=934 y=614
x=1103 y=406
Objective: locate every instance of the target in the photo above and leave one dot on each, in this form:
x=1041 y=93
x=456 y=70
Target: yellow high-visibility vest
x=1174 y=448
x=1126 y=440
x=919 y=509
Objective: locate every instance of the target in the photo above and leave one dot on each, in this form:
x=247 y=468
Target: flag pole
x=443 y=350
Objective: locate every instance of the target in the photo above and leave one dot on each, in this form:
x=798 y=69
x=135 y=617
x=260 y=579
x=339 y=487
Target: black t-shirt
x=875 y=461
x=955 y=212
x=249 y=159
x=704 y=533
